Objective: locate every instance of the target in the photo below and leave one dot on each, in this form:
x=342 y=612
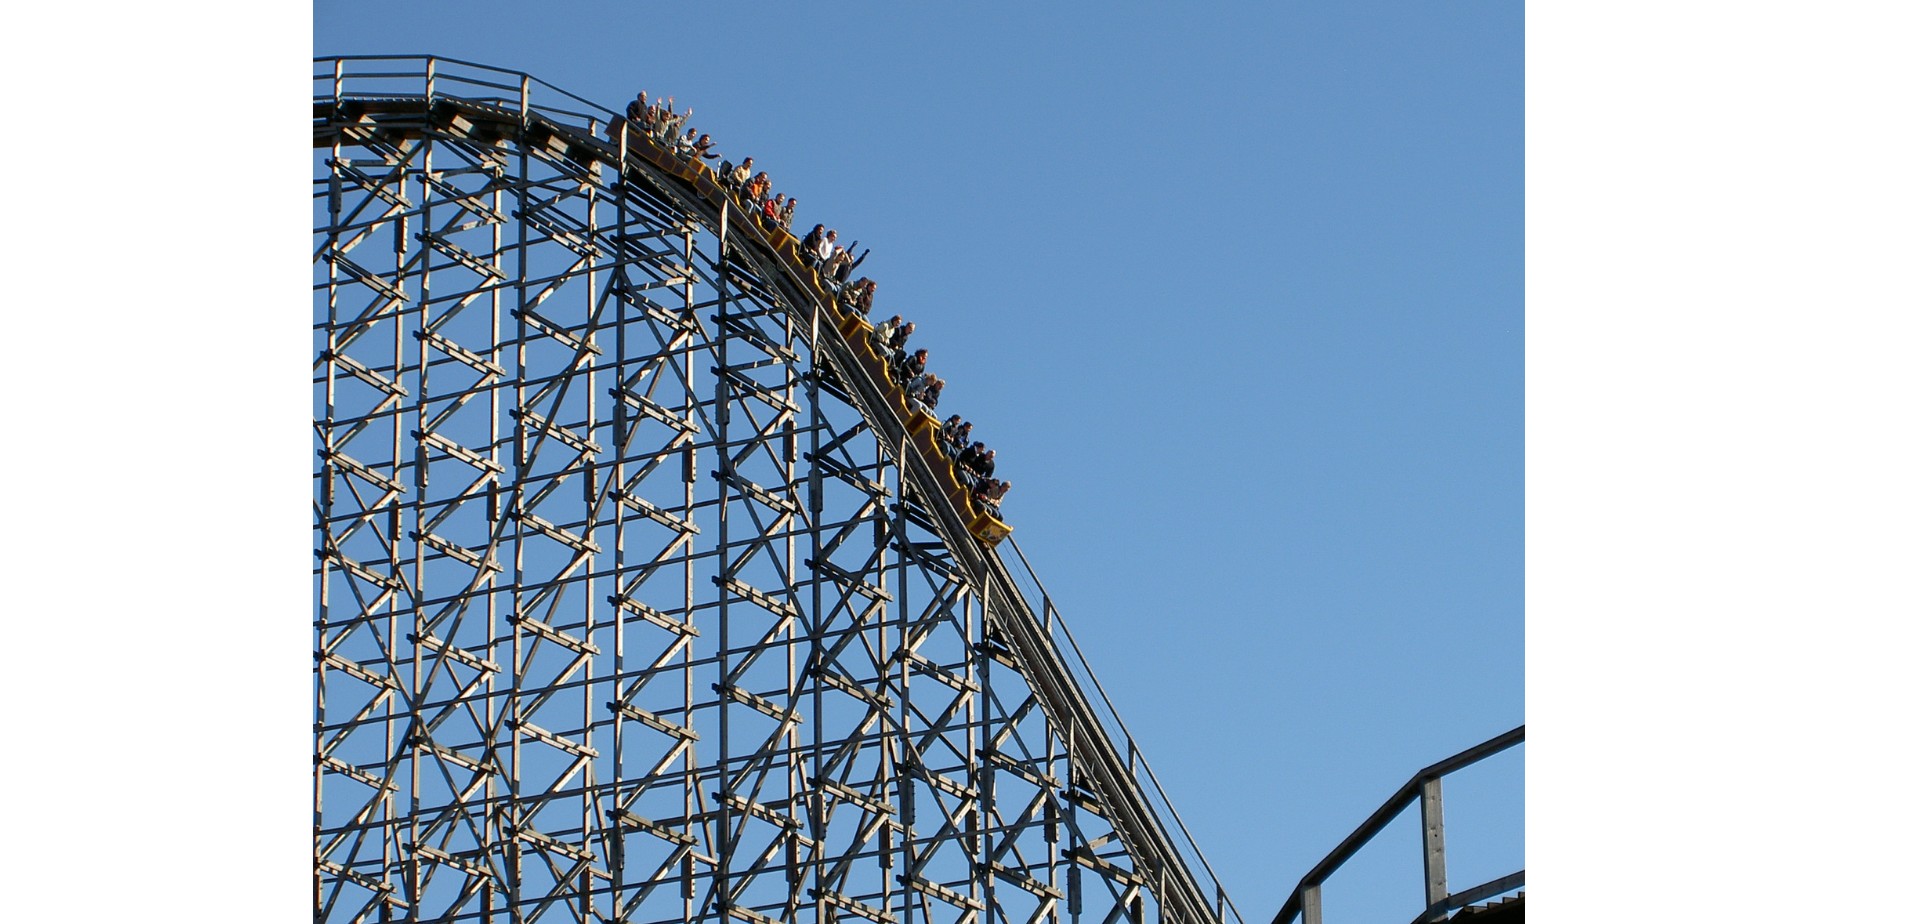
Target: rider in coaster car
x=863 y=297
x=988 y=494
x=909 y=366
x=737 y=177
x=883 y=332
x=966 y=467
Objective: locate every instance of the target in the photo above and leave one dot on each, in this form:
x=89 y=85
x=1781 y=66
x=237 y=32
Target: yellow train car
x=695 y=173
x=778 y=237
x=705 y=180
x=988 y=529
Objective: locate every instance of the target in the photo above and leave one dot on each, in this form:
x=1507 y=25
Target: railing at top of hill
x=430 y=76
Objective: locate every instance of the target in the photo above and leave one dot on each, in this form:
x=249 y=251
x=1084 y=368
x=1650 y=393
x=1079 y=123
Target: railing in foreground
x=1425 y=786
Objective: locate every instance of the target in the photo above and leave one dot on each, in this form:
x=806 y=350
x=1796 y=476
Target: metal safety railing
x=347 y=77
x=1304 y=903
x=1041 y=603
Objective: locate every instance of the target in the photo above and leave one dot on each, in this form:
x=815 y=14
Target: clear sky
x=1235 y=290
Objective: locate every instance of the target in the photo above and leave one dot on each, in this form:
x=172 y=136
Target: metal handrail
x=1424 y=787
x=1053 y=618
x=430 y=67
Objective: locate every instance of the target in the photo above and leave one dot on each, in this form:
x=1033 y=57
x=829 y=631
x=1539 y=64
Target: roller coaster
x=642 y=595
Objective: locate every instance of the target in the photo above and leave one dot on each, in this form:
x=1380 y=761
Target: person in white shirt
x=882 y=333
x=740 y=173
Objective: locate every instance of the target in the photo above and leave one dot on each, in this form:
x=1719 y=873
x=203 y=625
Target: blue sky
x=1236 y=293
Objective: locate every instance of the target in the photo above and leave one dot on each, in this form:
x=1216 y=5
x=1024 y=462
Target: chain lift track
x=639 y=596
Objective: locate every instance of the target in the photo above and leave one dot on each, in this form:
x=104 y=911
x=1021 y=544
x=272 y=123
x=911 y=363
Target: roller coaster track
x=498 y=200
